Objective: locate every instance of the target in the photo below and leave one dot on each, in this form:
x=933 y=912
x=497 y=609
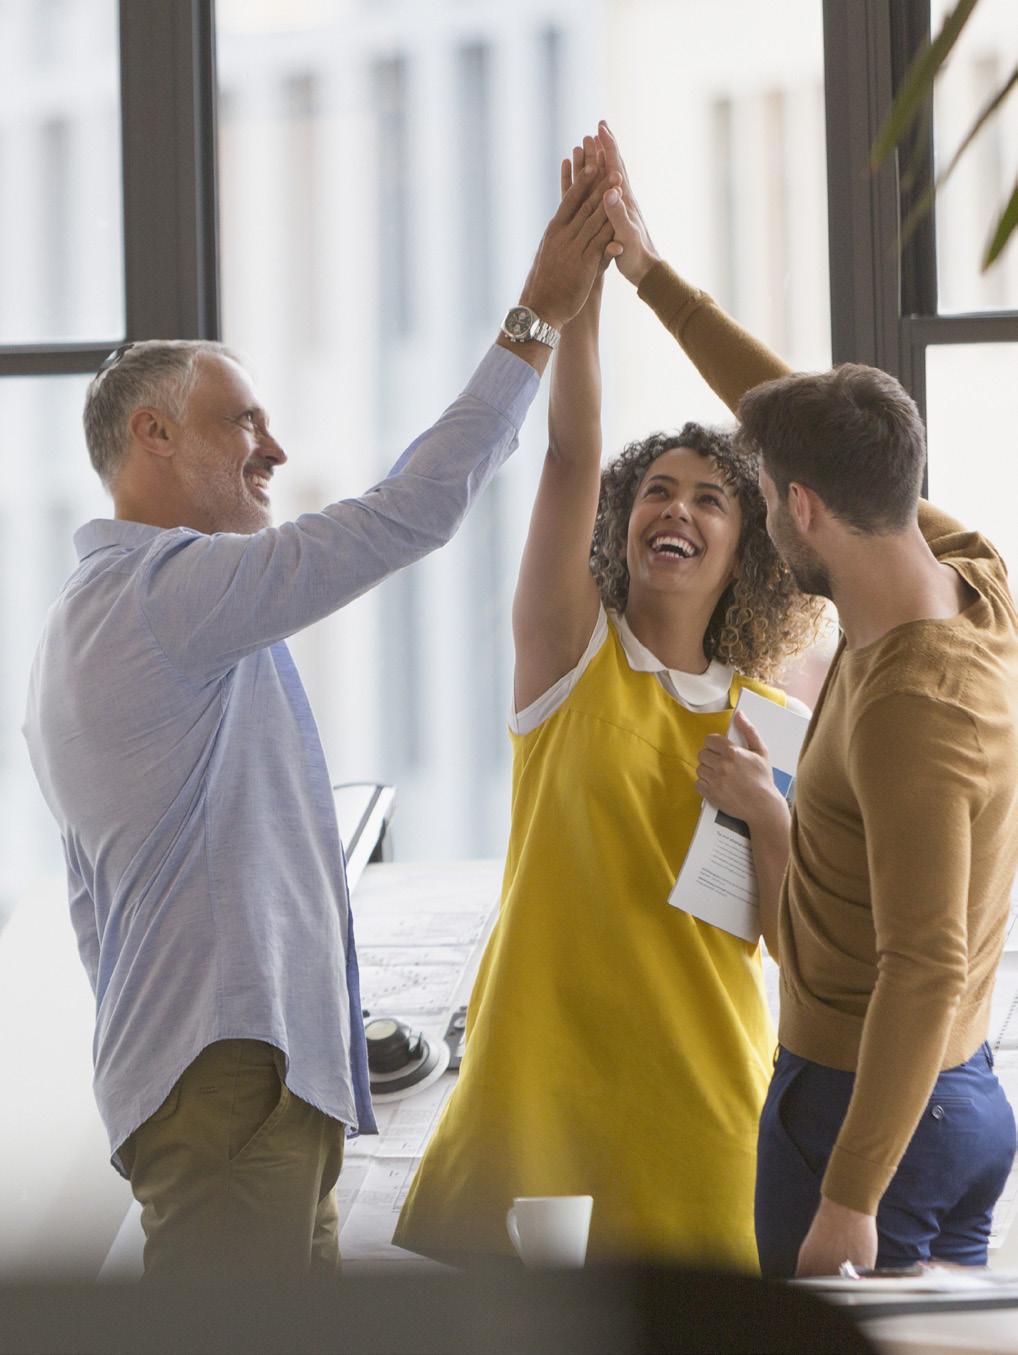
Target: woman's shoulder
x=526 y=721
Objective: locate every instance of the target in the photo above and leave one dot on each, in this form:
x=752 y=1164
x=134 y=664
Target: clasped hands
x=598 y=220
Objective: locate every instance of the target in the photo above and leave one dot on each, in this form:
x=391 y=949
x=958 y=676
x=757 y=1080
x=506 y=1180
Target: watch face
x=519 y=322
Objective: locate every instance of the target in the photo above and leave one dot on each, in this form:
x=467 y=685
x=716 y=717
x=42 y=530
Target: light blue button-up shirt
x=174 y=743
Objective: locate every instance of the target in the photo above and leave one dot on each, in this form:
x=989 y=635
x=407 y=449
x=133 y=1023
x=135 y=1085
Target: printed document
x=717 y=882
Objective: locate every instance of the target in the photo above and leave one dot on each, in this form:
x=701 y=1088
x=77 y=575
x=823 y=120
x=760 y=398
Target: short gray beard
x=215 y=487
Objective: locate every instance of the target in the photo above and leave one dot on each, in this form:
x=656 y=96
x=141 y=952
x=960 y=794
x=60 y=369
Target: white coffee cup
x=550 y=1230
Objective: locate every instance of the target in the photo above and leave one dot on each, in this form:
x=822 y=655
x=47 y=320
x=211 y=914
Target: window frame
x=883 y=295
x=168 y=144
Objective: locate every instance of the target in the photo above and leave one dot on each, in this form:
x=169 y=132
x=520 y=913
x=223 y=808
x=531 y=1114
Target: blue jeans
x=940 y=1201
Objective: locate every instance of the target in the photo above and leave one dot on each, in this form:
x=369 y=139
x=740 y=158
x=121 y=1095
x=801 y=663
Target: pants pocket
x=946 y=1139
x=166 y=1111
x=790 y=1127
x=168 y=1108
x=260 y=1098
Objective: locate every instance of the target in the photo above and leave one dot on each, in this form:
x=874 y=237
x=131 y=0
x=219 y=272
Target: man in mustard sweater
x=886 y=1137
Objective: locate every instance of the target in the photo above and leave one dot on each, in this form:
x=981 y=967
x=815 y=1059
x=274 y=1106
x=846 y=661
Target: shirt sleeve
x=919 y=774
x=948 y=539
x=727 y=356
x=938 y=526
x=211 y=600
x=83 y=920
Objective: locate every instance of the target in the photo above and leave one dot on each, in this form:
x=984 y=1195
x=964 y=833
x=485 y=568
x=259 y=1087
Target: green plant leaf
x=995 y=101
x=915 y=89
x=923 y=204
x=1003 y=230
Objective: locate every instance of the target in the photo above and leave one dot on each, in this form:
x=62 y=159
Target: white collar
x=694 y=689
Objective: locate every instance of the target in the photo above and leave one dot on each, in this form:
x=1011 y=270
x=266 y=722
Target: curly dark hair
x=761 y=619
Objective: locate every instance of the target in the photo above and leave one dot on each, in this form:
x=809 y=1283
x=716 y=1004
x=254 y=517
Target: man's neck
x=157 y=511
x=887 y=581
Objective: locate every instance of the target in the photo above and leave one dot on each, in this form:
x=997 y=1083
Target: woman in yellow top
x=618 y=1047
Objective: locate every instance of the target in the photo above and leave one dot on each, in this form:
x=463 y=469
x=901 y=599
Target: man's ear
x=804 y=505
x=153 y=430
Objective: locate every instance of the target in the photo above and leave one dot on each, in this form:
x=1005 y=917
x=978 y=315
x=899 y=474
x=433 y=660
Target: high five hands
x=598 y=219
x=577 y=244
x=590 y=156
x=628 y=241
x=638 y=255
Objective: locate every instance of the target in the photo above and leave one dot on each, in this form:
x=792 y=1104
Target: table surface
x=993 y=1332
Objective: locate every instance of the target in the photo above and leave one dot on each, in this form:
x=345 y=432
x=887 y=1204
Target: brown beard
x=805 y=566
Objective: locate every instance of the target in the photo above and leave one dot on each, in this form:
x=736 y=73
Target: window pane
x=972 y=411
x=61 y=276
x=50 y=490
x=974 y=196
x=385 y=176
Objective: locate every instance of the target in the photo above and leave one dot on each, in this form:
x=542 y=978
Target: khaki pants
x=235 y=1174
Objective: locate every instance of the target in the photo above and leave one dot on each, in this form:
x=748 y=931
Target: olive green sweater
x=904 y=838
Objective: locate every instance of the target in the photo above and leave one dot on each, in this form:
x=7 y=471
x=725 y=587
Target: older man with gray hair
x=175 y=746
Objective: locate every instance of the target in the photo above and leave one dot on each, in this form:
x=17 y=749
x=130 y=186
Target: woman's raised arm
x=556 y=600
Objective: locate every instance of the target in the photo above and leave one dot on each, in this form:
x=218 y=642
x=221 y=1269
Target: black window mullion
x=862 y=207
x=910 y=28
x=979 y=327
x=67 y=359
x=168 y=118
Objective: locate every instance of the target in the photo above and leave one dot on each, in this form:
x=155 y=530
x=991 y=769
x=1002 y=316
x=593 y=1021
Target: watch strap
x=544 y=333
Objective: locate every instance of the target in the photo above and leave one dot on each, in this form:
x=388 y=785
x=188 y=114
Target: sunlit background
x=385 y=175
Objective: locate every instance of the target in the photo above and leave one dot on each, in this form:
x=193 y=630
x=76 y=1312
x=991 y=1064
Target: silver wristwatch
x=522 y=324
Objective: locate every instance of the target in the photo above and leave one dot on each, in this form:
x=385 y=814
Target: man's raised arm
x=212 y=599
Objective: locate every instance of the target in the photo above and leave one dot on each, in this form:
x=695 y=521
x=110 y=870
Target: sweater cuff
x=855 y=1182
x=672 y=299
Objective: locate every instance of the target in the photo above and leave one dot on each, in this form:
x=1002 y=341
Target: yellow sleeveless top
x=617 y=1047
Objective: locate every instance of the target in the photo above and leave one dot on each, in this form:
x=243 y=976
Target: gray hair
x=154 y=372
